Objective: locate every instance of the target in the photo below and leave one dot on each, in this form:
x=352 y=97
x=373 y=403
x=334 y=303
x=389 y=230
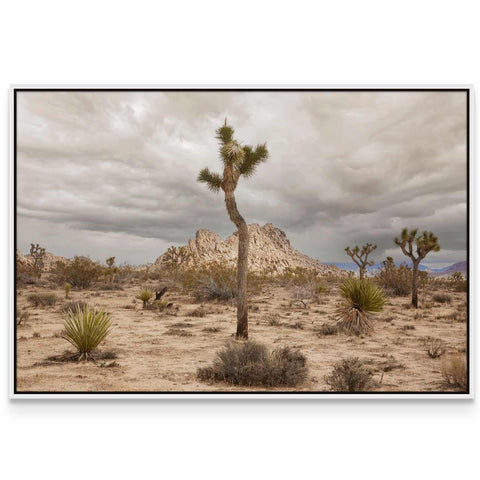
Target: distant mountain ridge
x=435 y=272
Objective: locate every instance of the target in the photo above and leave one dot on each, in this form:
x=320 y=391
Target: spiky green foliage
x=243 y=158
x=422 y=244
x=212 y=180
x=360 y=298
x=85 y=328
x=145 y=296
x=67 y=287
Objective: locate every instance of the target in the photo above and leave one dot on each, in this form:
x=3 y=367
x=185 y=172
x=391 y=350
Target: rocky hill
x=270 y=250
x=49 y=260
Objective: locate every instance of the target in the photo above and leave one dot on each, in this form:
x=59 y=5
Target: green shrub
x=349 y=375
x=360 y=298
x=396 y=280
x=81 y=272
x=85 y=328
x=42 y=299
x=67 y=288
x=250 y=364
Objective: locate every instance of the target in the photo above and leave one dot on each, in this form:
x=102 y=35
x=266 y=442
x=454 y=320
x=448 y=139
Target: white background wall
x=153 y=42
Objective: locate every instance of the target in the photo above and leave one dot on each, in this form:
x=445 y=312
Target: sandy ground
x=148 y=359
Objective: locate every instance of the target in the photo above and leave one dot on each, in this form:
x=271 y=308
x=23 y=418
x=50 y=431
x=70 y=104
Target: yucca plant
x=145 y=296
x=360 y=298
x=67 y=288
x=85 y=328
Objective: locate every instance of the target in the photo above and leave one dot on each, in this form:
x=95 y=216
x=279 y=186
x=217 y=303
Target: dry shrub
x=42 y=299
x=434 y=347
x=213 y=281
x=454 y=371
x=197 y=313
x=22 y=317
x=250 y=364
x=178 y=332
x=73 y=306
x=80 y=272
x=442 y=298
x=349 y=375
x=326 y=329
x=396 y=280
x=26 y=274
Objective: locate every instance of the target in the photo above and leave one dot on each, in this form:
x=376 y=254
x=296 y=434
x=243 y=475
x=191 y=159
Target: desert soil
x=151 y=360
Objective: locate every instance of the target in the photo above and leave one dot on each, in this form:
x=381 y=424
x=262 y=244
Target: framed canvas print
x=240 y=242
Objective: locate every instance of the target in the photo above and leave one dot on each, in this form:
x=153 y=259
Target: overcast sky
x=114 y=173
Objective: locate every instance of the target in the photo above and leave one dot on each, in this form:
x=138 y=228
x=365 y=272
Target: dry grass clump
x=250 y=364
x=326 y=329
x=349 y=375
x=178 y=332
x=211 y=329
x=454 y=371
x=360 y=299
x=434 y=347
x=42 y=299
x=22 y=317
x=442 y=298
x=214 y=281
x=197 y=313
x=73 y=306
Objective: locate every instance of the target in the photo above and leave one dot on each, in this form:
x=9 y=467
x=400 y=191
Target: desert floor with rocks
x=161 y=352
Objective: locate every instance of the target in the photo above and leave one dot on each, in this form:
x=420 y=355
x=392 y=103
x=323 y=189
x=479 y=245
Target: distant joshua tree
x=237 y=160
x=360 y=257
x=425 y=243
x=37 y=252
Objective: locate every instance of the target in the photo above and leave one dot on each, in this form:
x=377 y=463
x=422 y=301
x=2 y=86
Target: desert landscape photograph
x=280 y=241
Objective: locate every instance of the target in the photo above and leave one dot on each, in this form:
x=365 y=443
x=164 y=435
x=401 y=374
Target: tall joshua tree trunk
x=242 y=263
x=237 y=160
x=415 y=284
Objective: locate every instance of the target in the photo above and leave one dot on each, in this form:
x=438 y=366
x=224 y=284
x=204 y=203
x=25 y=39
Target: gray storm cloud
x=114 y=173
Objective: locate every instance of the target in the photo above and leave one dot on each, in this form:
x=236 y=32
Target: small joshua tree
x=37 y=253
x=67 y=287
x=424 y=244
x=360 y=257
x=111 y=270
x=237 y=160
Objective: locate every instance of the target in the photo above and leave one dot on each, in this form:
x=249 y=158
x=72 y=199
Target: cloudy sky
x=114 y=173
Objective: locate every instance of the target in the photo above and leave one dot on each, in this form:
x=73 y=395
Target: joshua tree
x=360 y=257
x=37 y=253
x=237 y=160
x=425 y=243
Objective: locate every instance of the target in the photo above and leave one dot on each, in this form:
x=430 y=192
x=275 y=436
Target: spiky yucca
x=145 y=296
x=85 y=328
x=360 y=299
